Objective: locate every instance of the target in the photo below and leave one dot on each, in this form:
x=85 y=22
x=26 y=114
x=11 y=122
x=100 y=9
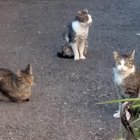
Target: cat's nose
x=90 y=22
x=121 y=69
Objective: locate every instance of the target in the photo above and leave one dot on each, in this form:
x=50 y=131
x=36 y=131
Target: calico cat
x=16 y=87
x=127 y=83
x=76 y=38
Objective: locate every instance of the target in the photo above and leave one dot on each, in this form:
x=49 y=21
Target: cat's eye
x=119 y=63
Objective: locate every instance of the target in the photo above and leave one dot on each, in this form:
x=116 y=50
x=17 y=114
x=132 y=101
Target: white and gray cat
x=76 y=38
x=124 y=67
x=127 y=83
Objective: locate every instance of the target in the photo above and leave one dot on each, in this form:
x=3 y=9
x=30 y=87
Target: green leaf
x=119 y=100
x=135 y=121
x=136 y=106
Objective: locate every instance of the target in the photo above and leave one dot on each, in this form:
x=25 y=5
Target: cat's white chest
x=117 y=77
x=79 y=30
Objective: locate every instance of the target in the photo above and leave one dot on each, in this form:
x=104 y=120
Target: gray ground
x=63 y=104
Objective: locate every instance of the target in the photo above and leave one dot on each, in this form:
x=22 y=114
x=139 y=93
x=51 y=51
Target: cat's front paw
x=82 y=57
x=76 y=58
x=117 y=115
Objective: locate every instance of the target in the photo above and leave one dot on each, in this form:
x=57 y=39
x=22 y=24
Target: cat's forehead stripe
x=122 y=62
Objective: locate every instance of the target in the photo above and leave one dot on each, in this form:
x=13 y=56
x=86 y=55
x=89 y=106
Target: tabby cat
x=16 y=86
x=127 y=82
x=76 y=38
x=123 y=70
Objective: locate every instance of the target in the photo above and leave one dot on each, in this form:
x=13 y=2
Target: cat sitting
x=123 y=69
x=127 y=83
x=76 y=38
x=16 y=87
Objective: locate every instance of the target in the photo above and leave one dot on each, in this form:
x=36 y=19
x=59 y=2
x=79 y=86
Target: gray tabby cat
x=16 y=86
x=76 y=39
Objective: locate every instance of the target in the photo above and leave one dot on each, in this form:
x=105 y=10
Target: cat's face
x=26 y=75
x=84 y=17
x=124 y=63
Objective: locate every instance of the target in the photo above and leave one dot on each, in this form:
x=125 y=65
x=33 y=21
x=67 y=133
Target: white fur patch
x=75 y=51
x=66 y=38
x=122 y=66
x=89 y=19
x=79 y=29
x=117 y=115
x=119 y=77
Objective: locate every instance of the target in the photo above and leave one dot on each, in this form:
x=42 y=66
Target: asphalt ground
x=63 y=104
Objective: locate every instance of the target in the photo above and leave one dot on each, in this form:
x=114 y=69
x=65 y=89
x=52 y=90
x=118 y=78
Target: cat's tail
x=66 y=37
x=126 y=114
x=62 y=55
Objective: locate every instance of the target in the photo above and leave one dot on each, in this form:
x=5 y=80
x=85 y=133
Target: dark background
x=63 y=103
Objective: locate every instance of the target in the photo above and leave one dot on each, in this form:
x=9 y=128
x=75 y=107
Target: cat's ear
x=116 y=55
x=79 y=13
x=85 y=10
x=132 y=55
x=29 y=69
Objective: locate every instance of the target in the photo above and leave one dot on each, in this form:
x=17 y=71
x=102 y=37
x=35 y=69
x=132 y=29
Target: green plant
x=135 y=121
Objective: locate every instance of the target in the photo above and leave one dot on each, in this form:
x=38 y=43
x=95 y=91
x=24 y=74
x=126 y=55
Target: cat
x=123 y=68
x=67 y=51
x=131 y=86
x=16 y=86
x=76 y=38
x=127 y=83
